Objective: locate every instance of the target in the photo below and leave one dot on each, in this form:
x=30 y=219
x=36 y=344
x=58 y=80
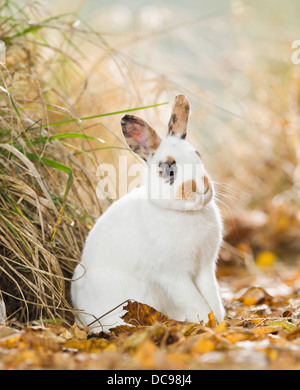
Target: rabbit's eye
x=167 y=170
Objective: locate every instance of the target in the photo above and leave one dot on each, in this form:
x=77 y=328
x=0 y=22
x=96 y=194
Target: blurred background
x=233 y=59
x=69 y=60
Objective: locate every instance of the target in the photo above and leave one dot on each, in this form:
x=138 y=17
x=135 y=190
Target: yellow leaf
x=111 y=347
x=9 y=336
x=264 y=329
x=203 y=345
x=265 y=259
x=272 y=354
x=235 y=337
x=255 y=295
x=221 y=328
x=177 y=360
x=29 y=357
x=211 y=321
x=284 y=323
x=249 y=301
x=92 y=345
x=256 y=321
x=145 y=353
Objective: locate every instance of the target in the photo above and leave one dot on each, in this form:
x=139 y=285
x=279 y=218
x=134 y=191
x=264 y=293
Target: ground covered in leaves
x=261 y=331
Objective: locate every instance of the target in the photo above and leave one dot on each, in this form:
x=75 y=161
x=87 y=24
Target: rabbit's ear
x=179 y=117
x=140 y=137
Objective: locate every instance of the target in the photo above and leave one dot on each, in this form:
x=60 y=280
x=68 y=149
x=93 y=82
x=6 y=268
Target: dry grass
x=34 y=270
x=43 y=218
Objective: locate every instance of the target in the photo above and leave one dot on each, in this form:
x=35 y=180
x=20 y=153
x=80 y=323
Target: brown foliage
x=261 y=331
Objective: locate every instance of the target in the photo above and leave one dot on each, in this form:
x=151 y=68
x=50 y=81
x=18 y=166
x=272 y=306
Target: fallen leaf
x=204 y=344
x=92 y=345
x=126 y=329
x=255 y=295
x=9 y=336
x=67 y=334
x=285 y=324
x=80 y=334
x=261 y=330
x=74 y=333
x=250 y=301
x=211 y=321
x=265 y=259
x=221 y=328
x=177 y=361
x=140 y=314
x=239 y=335
x=145 y=354
x=294 y=334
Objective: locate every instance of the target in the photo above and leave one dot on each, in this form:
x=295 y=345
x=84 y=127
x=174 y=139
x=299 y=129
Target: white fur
x=159 y=252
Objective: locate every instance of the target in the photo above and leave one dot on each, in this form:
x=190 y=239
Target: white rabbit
x=158 y=244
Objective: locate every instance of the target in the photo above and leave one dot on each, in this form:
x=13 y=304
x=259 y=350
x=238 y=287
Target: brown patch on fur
x=179 y=117
x=174 y=118
x=187 y=191
x=206 y=184
x=170 y=160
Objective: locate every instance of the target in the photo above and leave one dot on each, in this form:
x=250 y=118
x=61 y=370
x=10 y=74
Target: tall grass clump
x=45 y=184
x=42 y=223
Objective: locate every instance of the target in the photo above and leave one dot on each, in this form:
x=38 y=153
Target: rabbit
x=158 y=244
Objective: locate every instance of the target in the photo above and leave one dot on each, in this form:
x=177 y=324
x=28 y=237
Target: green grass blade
x=95 y=116
x=103 y=115
x=63 y=136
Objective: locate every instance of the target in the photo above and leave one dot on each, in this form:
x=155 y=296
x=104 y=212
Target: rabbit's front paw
x=197 y=316
x=219 y=313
